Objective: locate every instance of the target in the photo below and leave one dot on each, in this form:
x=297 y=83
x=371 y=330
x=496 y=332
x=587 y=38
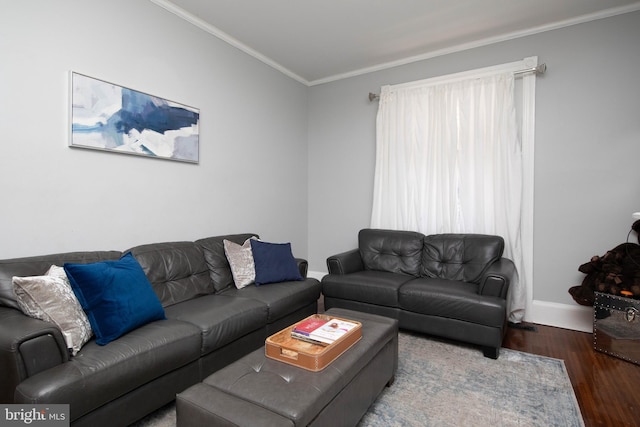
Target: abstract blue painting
x=109 y=117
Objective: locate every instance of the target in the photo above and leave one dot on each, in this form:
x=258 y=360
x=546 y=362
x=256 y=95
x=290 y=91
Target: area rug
x=443 y=384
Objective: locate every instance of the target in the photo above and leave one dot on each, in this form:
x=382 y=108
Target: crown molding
x=483 y=42
x=169 y=6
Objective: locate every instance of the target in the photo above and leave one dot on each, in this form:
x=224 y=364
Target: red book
x=309 y=325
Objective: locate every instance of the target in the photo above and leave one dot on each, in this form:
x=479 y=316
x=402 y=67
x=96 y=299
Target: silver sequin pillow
x=51 y=298
x=241 y=262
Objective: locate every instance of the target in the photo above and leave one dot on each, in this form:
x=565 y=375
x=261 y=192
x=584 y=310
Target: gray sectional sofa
x=209 y=323
x=449 y=285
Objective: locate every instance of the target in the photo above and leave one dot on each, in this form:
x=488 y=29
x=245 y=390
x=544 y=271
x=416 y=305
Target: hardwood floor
x=607 y=388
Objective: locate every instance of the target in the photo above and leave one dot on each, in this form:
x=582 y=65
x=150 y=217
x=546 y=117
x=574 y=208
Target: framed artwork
x=108 y=117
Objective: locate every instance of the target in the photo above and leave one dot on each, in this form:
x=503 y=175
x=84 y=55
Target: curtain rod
x=540 y=69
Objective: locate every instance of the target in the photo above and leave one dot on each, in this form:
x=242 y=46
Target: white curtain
x=449 y=160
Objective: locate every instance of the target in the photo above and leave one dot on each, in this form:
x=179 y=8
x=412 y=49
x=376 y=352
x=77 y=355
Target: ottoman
x=258 y=391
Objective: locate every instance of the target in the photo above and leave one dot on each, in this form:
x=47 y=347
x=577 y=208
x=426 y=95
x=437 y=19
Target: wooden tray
x=313 y=357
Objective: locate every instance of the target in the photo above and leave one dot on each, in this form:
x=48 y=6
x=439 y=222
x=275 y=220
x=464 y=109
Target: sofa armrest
x=27 y=346
x=303 y=266
x=498 y=277
x=345 y=262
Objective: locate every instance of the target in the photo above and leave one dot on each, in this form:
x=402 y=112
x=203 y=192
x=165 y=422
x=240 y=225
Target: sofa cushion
x=391 y=250
x=372 y=287
x=216 y=260
x=177 y=270
x=99 y=375
x=116 y=295
x=50 y=298
x=220 y=319
x=38 y=266
x=274 y=262
x=451 y=299
x=281 y=299
x=460 y=256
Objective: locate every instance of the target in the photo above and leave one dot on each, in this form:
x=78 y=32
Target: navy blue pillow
x=274 y=262
x=116 y=295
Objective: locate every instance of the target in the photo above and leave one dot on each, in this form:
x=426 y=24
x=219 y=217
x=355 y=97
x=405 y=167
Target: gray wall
x=277 y=158
x=252 y=175
x=587 y=179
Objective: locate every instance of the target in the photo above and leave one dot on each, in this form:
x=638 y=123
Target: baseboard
x=575 y=317
x=316 y=274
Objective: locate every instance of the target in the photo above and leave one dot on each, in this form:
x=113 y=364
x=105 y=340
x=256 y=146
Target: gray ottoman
x=258 y=391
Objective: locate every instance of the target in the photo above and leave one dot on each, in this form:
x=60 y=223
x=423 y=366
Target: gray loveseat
x=449 y=285
x=209 y=323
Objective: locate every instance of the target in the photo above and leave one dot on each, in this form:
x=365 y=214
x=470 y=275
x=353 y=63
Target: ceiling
x=316 y=41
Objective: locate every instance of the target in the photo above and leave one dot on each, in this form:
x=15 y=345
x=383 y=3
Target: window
x=454 y=154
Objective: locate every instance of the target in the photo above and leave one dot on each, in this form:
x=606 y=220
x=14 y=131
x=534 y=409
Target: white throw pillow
x=51 y=298
x=240 y=259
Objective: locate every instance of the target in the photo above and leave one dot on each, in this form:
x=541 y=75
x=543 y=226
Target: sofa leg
x=390 y=382
x=491 y=352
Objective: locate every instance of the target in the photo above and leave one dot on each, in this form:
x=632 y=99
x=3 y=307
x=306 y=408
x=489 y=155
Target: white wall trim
x=527 y=140
x=171 y=7
x=214 y=31
x=483 y=42
x=575 y=317
x=316 y=274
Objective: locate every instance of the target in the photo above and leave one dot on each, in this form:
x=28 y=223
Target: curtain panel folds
x=449 y=160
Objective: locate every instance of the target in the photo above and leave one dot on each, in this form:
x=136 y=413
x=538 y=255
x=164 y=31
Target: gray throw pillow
x=51 y=298
x=241 y=262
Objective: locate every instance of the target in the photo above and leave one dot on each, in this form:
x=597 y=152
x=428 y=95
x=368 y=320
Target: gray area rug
x=443 y=384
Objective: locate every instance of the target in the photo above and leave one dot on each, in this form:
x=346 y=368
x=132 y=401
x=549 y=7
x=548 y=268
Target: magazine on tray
x=302 y=330
x=332 y=330
x=321 y=331
x=308 y=325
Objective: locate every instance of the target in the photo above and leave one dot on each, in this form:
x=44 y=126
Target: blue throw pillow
x=274 y=262
x=116 y=295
